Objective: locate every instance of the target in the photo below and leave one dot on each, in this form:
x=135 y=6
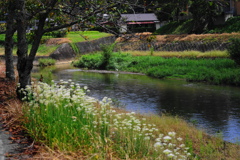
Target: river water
x=216 y=109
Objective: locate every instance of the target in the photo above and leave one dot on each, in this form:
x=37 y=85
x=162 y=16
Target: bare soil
x=56 y=41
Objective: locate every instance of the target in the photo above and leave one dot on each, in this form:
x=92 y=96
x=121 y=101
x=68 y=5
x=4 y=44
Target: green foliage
x=214 y=71
x=90 y=61
x=184 y=27
x=174 y=27
x=57 y=34
x=107 y=51
x=151 y=51
x=231 y=25
x=234 y=50
x=46 y=62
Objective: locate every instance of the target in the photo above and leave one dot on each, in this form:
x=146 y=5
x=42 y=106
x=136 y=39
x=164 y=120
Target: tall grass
x=63 y=117
x=184 y=54
x=214 y=71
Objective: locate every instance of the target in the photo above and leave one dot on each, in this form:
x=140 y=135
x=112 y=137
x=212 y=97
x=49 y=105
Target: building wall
x=236 y=6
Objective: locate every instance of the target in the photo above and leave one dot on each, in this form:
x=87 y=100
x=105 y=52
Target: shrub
x=57 y=34
x=107 y=51
x=234 y=50
x=46 y=62
x=90 y=61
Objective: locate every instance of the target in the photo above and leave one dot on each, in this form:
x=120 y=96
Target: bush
x=90 y=61
x=46 y=62
x=181 y=27
x=107 y=51
x=57 y=34
x=234 y=50
x=231 y=25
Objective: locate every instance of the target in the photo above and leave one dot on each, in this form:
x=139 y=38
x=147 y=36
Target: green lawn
x=80 y=36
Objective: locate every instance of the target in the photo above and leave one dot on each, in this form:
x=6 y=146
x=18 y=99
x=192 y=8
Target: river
x=216 y=109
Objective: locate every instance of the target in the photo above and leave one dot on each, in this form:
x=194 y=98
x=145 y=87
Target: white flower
x=170 y=145
x=179 y=139
x=167 y=138
x=170 y=155
x=182 y=145
x=158 y=145
x=172 y=134
x=161 y=135
x=167 y=151
x=147 y=138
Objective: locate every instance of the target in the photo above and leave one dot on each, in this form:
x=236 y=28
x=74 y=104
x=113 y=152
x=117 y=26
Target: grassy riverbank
x=48 y=47
x=75 y=126
x=211 y=70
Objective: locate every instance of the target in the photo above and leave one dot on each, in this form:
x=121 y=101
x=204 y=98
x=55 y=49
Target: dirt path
x=12 y=141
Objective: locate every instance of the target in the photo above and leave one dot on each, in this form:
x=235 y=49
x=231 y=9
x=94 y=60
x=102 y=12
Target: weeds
x=75 y=48
x=46 y=62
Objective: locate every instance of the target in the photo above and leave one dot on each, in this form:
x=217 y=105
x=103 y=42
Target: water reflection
x=215 y=108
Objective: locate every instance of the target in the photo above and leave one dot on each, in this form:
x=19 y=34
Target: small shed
x=141 y=22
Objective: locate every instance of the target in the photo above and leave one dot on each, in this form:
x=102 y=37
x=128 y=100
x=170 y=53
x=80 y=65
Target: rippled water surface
x=214 y=108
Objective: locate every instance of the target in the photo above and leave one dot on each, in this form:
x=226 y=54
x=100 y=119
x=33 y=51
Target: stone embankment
x=67 y=51
x=201 y=42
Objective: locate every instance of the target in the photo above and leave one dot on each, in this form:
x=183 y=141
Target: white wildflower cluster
x=171 y=146
x=128 y=121
x=64 y=93
x=90 y=115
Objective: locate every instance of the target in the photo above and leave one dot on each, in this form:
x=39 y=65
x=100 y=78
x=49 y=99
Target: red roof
x=140 y=22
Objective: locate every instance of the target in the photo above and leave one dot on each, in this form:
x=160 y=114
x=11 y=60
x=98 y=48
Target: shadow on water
x=214 y=108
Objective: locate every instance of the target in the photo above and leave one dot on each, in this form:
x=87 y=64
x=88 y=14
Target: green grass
x=214 y=71
x=63 y=118
x=80 y=36
x=184 y=54
x=45 y=50
x=43 y=62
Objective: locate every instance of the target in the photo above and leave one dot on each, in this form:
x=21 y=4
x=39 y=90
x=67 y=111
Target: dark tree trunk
x=9 y=41
x=24 y=79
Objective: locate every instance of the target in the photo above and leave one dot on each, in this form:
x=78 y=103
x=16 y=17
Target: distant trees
x=204 y=13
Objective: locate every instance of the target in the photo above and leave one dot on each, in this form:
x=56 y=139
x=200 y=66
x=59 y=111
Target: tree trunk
x=9 y=39
x=24 y=77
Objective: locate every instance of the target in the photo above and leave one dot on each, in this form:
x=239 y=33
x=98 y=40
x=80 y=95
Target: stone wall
x=174 y=46
x=65 y=51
